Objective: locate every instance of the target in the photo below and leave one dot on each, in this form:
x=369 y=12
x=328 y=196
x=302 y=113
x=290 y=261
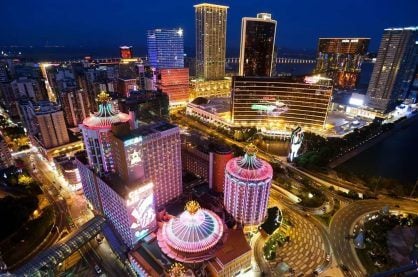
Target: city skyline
x=354 y=19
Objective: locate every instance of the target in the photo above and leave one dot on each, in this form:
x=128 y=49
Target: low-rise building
x=233 y=257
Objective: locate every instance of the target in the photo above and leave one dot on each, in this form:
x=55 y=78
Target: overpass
x=51 y=257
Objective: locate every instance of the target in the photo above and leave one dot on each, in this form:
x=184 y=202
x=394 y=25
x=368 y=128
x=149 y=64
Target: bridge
x=232 y=60
x=51 y=257
x=279 y=60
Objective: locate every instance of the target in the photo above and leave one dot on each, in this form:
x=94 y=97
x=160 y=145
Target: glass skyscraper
x=395 y=68
x=210 y=41
x=340 y=59
x=165 y=48
x=257 y=45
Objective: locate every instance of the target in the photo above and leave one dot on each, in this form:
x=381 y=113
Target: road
x=343 y=221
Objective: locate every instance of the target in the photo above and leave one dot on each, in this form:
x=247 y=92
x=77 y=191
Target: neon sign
x=135 y=196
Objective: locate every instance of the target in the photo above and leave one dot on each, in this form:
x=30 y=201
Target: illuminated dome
x=247 y=187
x=192 y=236
x=106 y=115
x=249 y=167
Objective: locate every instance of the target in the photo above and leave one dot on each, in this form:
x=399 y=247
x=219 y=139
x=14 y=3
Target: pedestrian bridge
x=51 y=257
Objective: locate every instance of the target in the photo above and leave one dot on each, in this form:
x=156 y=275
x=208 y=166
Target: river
x=396 y=157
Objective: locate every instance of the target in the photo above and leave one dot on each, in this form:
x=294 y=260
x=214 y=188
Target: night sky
x=104 y=23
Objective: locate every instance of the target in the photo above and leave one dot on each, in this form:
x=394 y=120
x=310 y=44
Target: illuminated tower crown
x=250 y=161
x=176 y=270
x=103 y=97
x=192 y=206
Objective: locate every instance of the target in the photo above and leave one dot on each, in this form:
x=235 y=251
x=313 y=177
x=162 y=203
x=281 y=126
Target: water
x=396 y=157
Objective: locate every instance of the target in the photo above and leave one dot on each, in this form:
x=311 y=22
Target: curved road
x=346 y=217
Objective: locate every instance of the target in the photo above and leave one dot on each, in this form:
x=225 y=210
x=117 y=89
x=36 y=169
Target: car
x=97 y=268
x=328 y=258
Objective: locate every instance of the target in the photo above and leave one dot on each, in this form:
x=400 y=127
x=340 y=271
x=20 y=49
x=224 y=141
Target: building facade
x=30 y=88
x=76 y=106
x=257 y=45
x=395 y=68
x=340 y=59
x=5 y=155
x=279 y=103
x=154 y=152
x=221 y=155
x=247 y=187
x=175 y=83
x=126 y=52
x=45 y=123
x=210 y=41
x=96 y=134
x=208 y=89
x=165 y=48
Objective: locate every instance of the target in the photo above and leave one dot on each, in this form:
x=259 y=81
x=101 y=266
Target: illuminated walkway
x=51 y=257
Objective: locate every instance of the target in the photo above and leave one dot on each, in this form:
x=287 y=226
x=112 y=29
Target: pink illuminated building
x=96 y=134
x=247 y=187
x=193 y=236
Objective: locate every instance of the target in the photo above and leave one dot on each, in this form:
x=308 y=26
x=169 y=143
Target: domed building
x=247 y=187
x=193 y=236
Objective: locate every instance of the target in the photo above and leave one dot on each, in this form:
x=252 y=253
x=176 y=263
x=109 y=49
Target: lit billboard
x=140 y=203
x=270 y=106
x=134 y=158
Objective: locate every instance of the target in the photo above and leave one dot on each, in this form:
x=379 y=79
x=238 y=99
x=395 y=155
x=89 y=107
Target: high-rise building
x=145 y=106
x=30 y=88
x=165 y=48
x=6 y=159
x=45 y=123
x=76 y=106
x=280 y=103
x=126 y=52
x=96 y=134
x=51 y=126
x=4 y=72
x=128 y=206
x=210 y=41
x=395 y=68
x=174 y=82
x=257 y=45
x=126 y=85
x=152 y=151
x=247 y=187
x=340 y=59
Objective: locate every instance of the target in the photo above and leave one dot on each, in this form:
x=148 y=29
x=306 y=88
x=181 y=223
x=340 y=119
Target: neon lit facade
x=96 y=134
x=126 y=52
x=192 y=236
x=131 y=213
x=340 y=59
x=165 y=48
x=247 y=187
x=296 y=140
x=278 y=103
x=210 y=41
x=175 y=82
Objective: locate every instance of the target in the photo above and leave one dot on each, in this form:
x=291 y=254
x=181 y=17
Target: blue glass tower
x=165 y=48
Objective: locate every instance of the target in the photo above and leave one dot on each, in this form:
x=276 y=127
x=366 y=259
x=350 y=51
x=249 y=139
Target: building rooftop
x=146 y=130
x=210 y=5
x=213 y=105
x=235 y=246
